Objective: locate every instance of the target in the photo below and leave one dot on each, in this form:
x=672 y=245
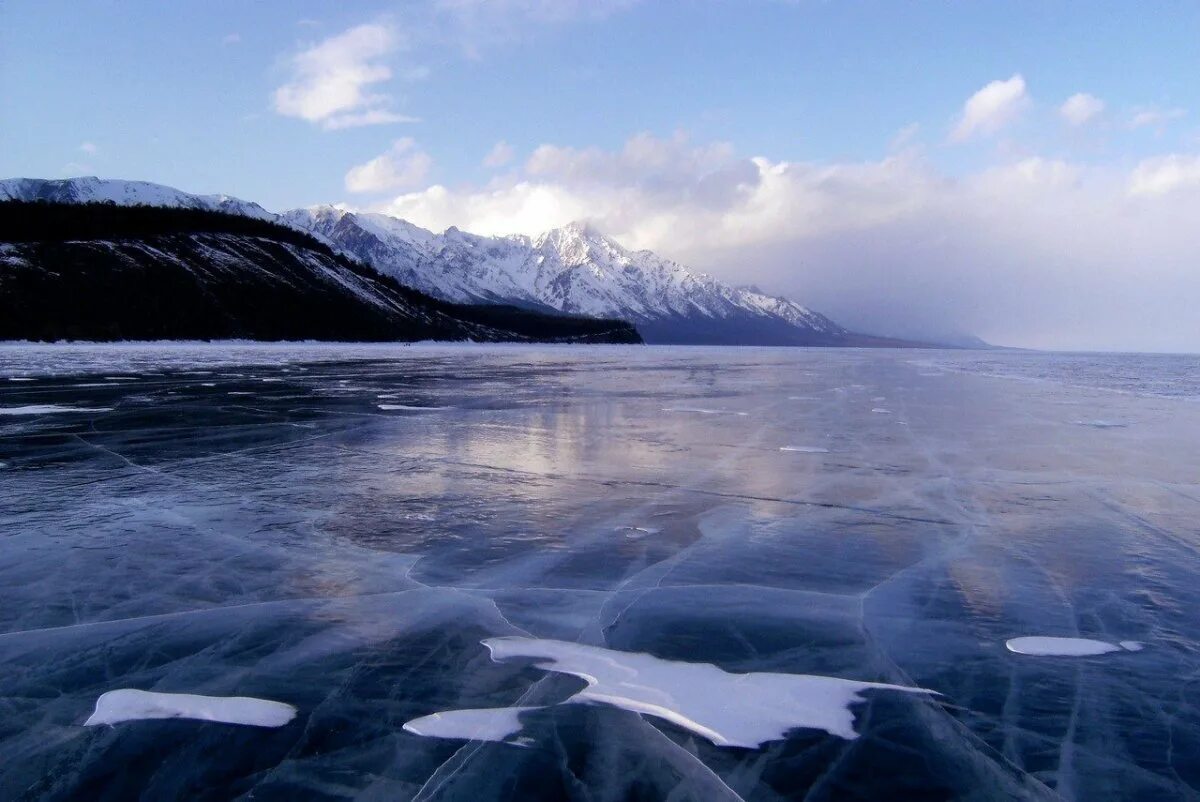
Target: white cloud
x=1030 y=252
x=231 y=39
x=500 y=155
x=89 y=148
x=331 y=82
x=368 y=117
x=1163 y=174
x=1154 y=117
x=991 y=108
x=402 y=166
x=1081 y=108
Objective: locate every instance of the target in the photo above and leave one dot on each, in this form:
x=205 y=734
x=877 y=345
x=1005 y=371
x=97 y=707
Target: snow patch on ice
x=497 y=724
x=805 y=449
x=1044 y=646
x=408 y=407
x=19 y=379
x=744 y=710
x=129 y=704
x=48 y=409
x=882 y=411
x=1101 y=424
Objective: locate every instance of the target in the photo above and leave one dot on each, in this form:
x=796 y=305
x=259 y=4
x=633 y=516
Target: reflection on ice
x=745 y=710
x=704 y=411
x=129 y=704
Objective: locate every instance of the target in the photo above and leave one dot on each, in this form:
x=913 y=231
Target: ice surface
x=129 y=704
x=302 y=545
x=745 y=710
x=49 y=409
x=1101 y=424
x=1066 y=647
x=490 y=724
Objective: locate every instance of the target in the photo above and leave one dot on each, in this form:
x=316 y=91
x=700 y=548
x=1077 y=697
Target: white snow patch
x=882 y=411
x=1044 y=646
x=497 y=724
x=48 y=409
x=408 y=407
x=19 y=379
x=745 y=710
x=1101 y=424
x=129 y=704
x=805 y=449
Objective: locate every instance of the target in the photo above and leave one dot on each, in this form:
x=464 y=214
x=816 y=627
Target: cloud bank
x=1030 y=251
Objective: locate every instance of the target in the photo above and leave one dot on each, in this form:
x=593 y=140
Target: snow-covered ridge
x=128 y=193
x=573 y=269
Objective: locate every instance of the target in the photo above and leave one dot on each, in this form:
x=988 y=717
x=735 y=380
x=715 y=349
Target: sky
x=1025 y=171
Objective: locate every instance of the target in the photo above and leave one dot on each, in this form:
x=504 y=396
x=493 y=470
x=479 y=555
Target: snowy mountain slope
x=573 y=269
x=124 y=193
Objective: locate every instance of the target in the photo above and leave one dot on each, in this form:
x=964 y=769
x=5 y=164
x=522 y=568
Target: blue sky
x=163 y=95
x=698 y=127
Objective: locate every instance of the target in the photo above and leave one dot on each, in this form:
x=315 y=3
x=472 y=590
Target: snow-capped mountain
x=573 y=269
x=125 y=193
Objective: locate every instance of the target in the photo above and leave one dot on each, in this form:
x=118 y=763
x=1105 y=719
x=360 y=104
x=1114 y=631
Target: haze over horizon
x=1026 y=173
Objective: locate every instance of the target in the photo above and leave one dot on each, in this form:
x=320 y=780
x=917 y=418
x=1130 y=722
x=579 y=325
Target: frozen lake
x=597 y=573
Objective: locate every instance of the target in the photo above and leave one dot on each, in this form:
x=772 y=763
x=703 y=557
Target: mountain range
x=574 y=270
x=104 y=271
